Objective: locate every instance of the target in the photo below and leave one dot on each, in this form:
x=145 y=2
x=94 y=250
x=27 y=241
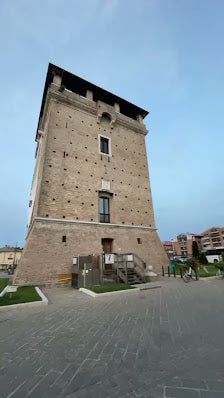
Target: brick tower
x=90 y=191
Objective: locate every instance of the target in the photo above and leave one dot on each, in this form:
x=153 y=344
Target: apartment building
x=213 y=238
x=182 y=244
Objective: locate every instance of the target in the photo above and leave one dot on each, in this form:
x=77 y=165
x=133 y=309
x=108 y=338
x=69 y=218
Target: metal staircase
x=131 y=277
x=130 y=268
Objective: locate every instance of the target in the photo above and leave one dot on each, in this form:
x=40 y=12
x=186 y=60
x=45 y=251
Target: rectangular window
x=64 y=238
x=104 y=210
x=104 y=145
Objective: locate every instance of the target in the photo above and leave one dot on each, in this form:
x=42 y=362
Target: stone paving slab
x=157 y=343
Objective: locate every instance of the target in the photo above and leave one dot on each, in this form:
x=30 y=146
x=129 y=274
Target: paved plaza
x=166 y=342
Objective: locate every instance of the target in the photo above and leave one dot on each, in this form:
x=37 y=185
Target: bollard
x=174 y=272
x=168 y=268
x=196 y=273
x=163 y=273
x=181 y=272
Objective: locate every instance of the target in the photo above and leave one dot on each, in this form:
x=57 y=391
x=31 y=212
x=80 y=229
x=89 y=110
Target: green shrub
x=195 y=249
x=192 y=262
x=203 y=258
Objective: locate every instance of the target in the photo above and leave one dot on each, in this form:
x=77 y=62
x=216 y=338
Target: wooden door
x=107 y=245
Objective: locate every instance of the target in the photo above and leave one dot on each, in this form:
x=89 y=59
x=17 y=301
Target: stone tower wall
x=70 y=175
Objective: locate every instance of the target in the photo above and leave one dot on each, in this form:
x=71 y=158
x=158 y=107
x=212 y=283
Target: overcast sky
x=163 y=55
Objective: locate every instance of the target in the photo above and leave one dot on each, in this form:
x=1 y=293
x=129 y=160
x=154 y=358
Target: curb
x=136 y=289
x=44 y=301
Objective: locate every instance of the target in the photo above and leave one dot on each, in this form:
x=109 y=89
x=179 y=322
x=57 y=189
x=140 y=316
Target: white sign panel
x=129 y=257
x=109 y=258
x=106 y=185
x=75 y=260
x=85 y=271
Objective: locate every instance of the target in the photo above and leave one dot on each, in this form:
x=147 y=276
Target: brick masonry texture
x=157 y=343
x=70 y=174
x=47 y=263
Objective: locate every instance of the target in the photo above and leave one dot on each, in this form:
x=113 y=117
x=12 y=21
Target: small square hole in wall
x=46 y=215
x=139 y=241
x=63 y=238
x=91 y=219
x=63 y=216
x=47 y=181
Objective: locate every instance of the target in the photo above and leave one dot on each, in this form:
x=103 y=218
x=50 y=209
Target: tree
x=203 y=258
x=195 y=249
x=222 y=254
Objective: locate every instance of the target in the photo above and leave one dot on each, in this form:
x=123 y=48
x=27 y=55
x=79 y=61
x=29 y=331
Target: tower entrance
x=107 y=245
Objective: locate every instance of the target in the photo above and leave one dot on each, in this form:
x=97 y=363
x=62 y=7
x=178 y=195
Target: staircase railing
x=139 y=266
x=122 y=276
x=136 y=263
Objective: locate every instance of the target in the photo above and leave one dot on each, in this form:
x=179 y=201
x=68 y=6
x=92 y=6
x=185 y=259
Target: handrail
x=122 y=276
x=138 y=264
x=139 y=271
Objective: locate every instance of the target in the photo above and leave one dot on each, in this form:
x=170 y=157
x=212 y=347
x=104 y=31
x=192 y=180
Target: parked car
x=181 y=260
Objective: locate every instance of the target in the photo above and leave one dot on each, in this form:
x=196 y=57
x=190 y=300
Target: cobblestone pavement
x=156 y=343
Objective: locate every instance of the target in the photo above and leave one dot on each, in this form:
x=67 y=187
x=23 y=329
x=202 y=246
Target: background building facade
x=168 y=246
x=91 y=191
x=10 y=255
x=213 y=238
x=182 y=244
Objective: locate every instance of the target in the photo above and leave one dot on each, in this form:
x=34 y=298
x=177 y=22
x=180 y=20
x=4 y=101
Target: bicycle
x=220 y=273
x=189 y=275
